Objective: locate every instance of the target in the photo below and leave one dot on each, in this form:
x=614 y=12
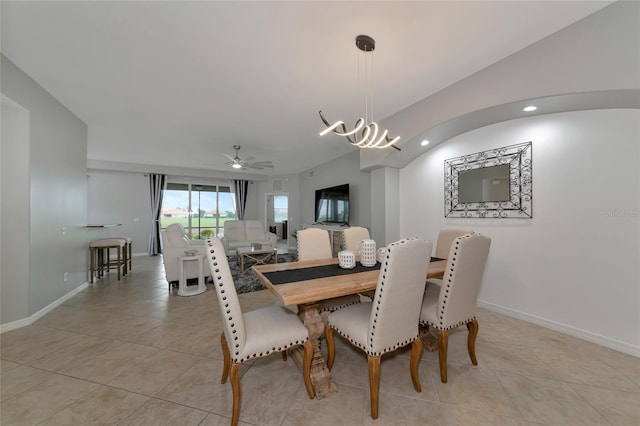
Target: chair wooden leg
x=119 y=261
x=100 y=261
x=130 y=250
x=443 y=344
x=416 y=353
x=306 y=368
x=374 y=383
x=471 y=340
x=92 y=264
x=284 y=355
x=226 y=356
x=125 y=260
x=331 y=349
x=235 y=386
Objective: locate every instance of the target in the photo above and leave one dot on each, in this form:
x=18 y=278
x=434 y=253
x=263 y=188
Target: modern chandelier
x=365 y=133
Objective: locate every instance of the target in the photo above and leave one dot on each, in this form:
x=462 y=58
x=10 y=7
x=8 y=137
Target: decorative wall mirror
x=490 y=184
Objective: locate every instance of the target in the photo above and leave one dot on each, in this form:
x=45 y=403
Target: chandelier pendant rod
x=369 y=136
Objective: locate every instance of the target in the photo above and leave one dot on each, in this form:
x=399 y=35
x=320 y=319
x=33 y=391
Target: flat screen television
x=332 y=204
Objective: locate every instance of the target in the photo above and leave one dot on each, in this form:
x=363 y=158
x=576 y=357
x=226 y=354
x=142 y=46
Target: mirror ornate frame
x=520 y=183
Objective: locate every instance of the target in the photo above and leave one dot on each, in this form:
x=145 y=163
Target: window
x=201 y=209
x=280 y=208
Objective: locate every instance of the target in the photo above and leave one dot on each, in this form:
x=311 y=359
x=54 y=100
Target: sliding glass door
x=202 y=209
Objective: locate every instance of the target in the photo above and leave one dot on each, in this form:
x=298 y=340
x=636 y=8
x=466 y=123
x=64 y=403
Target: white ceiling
x=178 y=83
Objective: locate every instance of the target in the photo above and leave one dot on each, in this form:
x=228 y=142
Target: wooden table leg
x=321 y=379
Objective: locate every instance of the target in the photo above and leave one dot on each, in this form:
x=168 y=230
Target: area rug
x=246 y=281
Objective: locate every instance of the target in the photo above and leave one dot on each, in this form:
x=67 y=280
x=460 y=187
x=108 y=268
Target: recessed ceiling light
x=530 y=108
x=424 y=142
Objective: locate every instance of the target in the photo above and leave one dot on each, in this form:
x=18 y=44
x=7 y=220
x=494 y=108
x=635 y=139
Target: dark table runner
x=314 y=272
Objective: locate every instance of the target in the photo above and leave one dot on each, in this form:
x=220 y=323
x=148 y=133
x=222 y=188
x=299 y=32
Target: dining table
x=304 y=284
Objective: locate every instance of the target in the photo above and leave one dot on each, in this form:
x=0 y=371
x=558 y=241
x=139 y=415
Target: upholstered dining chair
x=445 y=239
x=454 y=303
x=352 y=236
x=252 y=334
x=314 y=244
x=390 y=321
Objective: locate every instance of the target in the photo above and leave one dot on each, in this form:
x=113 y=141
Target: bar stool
x=97 y=251
x=128 y=254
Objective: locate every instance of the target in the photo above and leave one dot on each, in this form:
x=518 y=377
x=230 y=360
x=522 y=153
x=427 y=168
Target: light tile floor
x=133 y=353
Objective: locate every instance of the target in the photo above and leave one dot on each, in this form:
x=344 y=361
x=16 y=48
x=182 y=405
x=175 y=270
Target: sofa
x=241 y=233
x=174 y=244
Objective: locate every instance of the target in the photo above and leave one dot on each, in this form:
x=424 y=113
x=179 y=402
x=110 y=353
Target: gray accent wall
x=14 y=251
x=120 y=198
x=44 y=209
x=345 y=169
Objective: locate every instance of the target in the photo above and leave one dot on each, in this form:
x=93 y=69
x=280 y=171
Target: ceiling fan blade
x=246 y=163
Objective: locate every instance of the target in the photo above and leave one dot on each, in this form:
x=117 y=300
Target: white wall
x=597 y=54
x=574 y=266
x=385 y=205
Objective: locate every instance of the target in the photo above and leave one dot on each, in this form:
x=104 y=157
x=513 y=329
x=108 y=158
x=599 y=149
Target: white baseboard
x=13 y=325
x=566 y=329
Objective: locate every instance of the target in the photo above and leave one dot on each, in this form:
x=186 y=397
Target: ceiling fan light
x=246 y=163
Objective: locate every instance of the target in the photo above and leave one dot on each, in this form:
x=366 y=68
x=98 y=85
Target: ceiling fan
x=247 y=163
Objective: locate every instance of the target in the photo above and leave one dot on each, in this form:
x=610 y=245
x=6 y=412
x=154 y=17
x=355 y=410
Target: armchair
x=174 y=243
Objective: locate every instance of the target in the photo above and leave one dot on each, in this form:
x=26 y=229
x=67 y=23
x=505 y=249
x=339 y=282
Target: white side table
x=183 y=290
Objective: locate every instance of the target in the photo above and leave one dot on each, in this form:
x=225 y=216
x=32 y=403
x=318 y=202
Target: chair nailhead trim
x=377 y=300
x=440 y=325
x=236 y=359
x=335 y=308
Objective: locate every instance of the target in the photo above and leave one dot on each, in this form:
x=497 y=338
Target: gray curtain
x=156 y=184
x=241 y=188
